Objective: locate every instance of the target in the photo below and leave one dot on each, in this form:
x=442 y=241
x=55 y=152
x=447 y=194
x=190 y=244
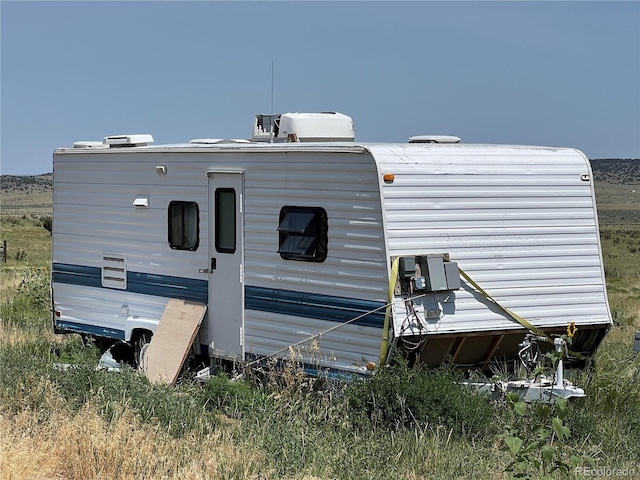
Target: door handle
x=209 y=270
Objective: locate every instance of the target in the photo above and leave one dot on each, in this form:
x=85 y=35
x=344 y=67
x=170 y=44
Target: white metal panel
x=105 y=307
x=93 y=212
x=356 y=267
x=346 y=187
x=349 y=347
x=521 y=221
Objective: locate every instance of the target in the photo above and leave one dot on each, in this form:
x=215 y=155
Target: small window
x=184 y=226
x=225 y=220
x=303 y=234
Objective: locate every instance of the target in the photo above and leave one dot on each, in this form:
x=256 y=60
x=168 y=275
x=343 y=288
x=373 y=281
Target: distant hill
x=20 y=194
x=616 y=170
x=26 y=183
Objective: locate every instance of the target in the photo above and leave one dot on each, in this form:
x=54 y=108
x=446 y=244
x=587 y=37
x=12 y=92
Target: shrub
x=234 y=398
x=539 y=442
x=30 y=304
x=47 y=223
x=35 y=286
x=400 y=397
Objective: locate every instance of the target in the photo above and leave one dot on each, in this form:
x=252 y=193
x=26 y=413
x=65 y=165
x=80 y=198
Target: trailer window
x=303 y=234
x=184 y=225
x=225 y=220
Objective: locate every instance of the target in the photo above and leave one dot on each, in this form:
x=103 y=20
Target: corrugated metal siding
x=519 y=220
x=349 y=347
x=346 y=186
x=91 y=306
x=93 y=213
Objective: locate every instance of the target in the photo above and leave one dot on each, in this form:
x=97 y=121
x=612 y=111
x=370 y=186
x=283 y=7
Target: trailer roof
x=235 y=145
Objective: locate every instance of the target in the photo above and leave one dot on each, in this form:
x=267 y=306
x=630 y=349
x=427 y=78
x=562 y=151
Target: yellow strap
x=513 y=315
x=387 y=315
x=392 y=282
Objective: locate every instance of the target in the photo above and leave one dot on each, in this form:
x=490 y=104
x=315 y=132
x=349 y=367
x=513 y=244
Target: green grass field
x=87 y=424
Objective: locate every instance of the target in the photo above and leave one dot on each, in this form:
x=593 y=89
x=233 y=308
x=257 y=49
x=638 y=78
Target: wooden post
x=3 y=254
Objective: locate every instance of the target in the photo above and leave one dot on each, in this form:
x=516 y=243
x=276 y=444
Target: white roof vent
x=304 y=127
x=120 y=141
x=317 y=127
x=84 y=144
x=434 y=139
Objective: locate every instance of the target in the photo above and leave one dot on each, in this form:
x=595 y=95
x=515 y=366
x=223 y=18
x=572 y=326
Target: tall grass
x=84 y=445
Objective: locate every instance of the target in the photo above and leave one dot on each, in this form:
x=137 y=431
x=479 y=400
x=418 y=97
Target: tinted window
x=302 y=234
x=184 y=225
x=225 y=220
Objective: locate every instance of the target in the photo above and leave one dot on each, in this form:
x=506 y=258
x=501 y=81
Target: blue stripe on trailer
x=137 y=282
x=168 y=286
x=273 y=300
x=76 y=275
x=314 y=305
x=90 y=329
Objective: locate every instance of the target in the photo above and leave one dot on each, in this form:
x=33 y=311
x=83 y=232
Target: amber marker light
x=388 y=177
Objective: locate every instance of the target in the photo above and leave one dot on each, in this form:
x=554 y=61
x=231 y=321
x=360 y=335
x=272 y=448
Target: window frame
x=317 y=229
x=218 y=247
x=174 y=245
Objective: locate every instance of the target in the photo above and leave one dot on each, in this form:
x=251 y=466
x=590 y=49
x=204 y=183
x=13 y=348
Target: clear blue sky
x=541 y=73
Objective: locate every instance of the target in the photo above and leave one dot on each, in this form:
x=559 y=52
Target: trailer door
x=226 y=276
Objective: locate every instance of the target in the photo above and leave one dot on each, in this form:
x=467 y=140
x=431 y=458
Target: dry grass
x=13 y=335
x=83 y=445
x=11 y=278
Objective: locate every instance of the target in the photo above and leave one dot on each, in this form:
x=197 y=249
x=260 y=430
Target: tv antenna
x=272 y=120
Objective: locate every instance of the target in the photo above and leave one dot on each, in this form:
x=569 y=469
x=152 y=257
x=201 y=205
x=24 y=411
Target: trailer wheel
x=140 y=346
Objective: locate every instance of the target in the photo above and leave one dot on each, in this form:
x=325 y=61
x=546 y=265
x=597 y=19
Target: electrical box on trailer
x=427 y=273
x=437 y=277
x=407 y=267
x=452 y=274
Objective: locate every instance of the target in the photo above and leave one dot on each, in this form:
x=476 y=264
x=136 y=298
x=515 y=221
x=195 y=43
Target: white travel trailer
x=294 y=235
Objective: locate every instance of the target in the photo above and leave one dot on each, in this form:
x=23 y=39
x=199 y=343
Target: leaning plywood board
x=172 y=340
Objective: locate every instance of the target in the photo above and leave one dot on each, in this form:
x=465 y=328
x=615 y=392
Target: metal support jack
x=541 y=388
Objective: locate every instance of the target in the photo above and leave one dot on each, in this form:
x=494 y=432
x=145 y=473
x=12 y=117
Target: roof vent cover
x=120 y=141
x=304 y=127
x=434 y=139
